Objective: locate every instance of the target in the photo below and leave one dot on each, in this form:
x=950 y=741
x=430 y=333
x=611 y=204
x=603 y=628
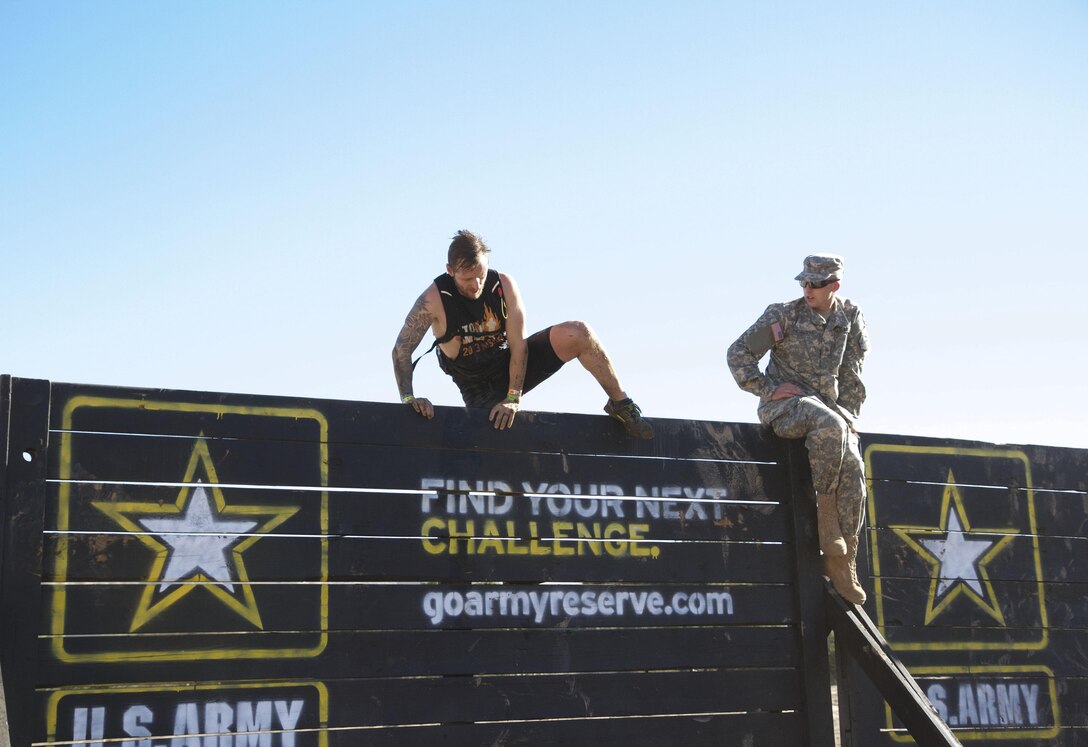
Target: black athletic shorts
x=542 y=363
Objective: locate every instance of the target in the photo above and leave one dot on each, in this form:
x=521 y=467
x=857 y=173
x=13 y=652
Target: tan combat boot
x=827 y=523
x=843 y=572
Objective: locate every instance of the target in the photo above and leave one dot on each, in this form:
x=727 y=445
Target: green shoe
x=627 y=412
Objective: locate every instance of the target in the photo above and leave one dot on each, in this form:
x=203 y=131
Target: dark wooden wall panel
x=404 y=559
x=348 y=573
x=101 y=457
x=409 y=654
x=419 y=705
x=979 y=561
x=483 y=698
x=729 y=730
x=367 y=606
x=232 y=416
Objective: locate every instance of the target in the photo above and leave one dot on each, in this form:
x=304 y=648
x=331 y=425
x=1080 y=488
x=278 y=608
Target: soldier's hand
x=787 y=390
x=502 y=414
x=423 y=406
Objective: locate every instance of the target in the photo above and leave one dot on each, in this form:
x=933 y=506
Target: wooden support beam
x=809 y=591
x=26 y=418
x=857 y=634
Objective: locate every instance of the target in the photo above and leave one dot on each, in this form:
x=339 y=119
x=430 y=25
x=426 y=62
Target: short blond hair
x=467 y=250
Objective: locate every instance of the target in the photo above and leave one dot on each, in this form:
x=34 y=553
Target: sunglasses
x=817 y=284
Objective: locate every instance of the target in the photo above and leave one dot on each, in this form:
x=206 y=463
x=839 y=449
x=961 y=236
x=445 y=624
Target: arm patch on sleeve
x=863 y=334
x=762 y=339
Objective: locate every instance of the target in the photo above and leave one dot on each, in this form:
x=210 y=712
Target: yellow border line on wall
x=55 y=698
x=59 y=603
x=1014 y=454
x=969 y=734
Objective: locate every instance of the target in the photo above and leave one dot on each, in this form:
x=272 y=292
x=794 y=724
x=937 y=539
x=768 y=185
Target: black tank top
x=481 y=325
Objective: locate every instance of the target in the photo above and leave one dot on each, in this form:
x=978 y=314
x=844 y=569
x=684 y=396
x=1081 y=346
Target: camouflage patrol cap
x=821 y=267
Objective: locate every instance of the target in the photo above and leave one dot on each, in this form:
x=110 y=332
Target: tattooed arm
x=416 y=324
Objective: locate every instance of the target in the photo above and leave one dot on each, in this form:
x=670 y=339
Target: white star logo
x=958 y=560
x=198 y=542
x=958 y=555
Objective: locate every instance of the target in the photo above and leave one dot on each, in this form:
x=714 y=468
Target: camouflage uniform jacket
x=822 y=358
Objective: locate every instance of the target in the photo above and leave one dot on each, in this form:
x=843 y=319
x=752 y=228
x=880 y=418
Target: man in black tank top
x=478 y=322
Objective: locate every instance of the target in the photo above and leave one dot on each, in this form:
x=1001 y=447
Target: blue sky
x=248 y=196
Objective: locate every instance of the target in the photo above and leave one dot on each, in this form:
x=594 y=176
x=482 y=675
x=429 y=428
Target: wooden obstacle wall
x=194 y=569
x=979 y=564
x=181 y=567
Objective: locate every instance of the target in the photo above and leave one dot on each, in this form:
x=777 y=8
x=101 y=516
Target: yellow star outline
x=149 y=607
x=954 y=500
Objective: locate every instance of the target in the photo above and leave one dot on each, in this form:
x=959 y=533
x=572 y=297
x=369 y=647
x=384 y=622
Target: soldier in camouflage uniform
x=812 y=389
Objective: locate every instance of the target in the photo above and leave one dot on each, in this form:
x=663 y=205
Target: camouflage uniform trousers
x=834 y=453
